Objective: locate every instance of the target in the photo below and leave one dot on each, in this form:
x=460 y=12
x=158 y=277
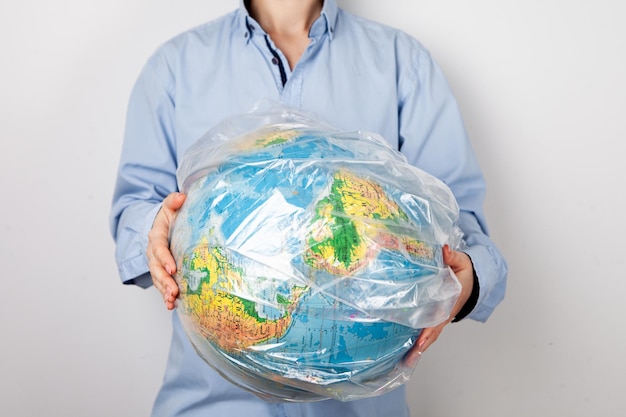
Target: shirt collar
x=322 y=25
x=329 y=14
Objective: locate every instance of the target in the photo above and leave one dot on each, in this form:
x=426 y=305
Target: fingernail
x=168 y=269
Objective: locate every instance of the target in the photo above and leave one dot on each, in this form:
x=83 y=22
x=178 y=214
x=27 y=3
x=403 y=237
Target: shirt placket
x=274 y=58
x=289 y=83
x=292 y=93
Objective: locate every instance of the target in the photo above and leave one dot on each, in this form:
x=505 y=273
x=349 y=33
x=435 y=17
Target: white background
x=542 y=87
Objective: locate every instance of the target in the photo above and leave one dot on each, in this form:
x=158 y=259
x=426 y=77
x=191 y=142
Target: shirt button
x=274 y=61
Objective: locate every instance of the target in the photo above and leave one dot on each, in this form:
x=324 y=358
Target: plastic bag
x=309 y=259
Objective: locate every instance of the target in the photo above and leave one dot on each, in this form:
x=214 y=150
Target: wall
x=542 y=89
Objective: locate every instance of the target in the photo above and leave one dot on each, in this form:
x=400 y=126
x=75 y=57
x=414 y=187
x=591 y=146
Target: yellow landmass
x=221 y=316
x=265 y=137
x=364 y=198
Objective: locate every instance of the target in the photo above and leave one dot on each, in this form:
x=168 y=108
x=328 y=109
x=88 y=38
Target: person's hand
x=160 y=261
x=463 y=268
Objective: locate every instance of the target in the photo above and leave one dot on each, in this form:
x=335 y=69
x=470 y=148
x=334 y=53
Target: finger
x=426 y=343
x=166 y=286
x=449 y=257
x=429 y=336
x=156 y=281
x=171 y=288
x=170 y=293
x=163 y=256
x=412 y=357
x=456 y=260
x=173 y=202
x=157 y=274
x=424 y=340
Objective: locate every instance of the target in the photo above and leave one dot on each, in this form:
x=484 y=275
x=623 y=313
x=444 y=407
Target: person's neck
x=285 y=17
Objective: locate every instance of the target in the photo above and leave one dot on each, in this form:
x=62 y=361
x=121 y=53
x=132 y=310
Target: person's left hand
x=462 y=266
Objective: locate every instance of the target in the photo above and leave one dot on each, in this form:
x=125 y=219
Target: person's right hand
x=160 y=260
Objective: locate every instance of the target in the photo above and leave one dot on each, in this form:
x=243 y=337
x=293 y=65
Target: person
x=310 y=54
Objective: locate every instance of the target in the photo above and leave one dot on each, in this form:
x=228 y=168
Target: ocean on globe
x=309 y=260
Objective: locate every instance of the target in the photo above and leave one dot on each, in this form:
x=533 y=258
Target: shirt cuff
x=142 y=281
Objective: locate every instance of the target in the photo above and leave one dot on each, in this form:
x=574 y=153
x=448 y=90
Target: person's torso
x=225 y=67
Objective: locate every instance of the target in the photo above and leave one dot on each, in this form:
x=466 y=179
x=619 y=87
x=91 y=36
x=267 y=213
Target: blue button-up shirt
x=355 y=74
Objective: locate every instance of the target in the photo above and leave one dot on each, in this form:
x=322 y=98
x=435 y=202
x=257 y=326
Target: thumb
x=174 y=201
x=454 y=259
x=448 y=255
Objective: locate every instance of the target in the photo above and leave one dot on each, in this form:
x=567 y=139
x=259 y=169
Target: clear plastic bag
x=309 y=259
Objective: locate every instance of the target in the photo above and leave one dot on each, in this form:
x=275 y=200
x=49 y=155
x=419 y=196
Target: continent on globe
x=230 y=321
x=343 y=237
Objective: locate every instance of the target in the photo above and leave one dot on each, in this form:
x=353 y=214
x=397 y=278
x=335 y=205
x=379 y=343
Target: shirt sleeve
x=147 y=171
x=433 y=138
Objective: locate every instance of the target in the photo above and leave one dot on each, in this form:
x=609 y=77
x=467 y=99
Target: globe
x=309 y=260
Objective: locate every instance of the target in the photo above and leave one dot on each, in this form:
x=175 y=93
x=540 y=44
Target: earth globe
x=309 y=259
